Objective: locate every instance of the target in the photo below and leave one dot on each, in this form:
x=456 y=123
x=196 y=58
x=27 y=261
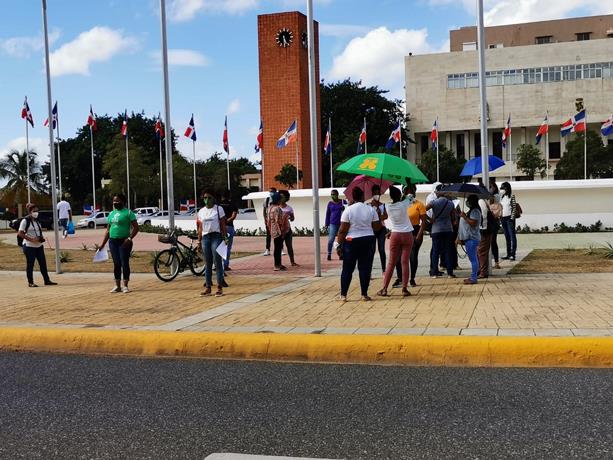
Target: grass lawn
x=564 y=261
x=12 y=258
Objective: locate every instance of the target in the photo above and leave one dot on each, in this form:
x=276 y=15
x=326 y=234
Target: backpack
x=20 y=239
x=518 y=211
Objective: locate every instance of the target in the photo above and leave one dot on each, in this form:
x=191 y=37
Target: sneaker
x=283 y=253
x=267 y=252
x=125 y=289
x=206 y=292
x=469 y=281
x=413 y=283
x=397 y=283
x=115 y=289
x=451 y=276
x=497 y=266
x=32 y=285
x=329 y=257
x=512 y=258
x=224 y=284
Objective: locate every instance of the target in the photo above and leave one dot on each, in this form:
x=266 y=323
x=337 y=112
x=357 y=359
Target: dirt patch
x=564 y=261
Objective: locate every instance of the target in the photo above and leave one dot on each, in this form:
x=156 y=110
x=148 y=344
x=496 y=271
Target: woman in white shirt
x=356 y=237
x=401 y=239
x=31 y=232
x=211 y=222
x=509 y=206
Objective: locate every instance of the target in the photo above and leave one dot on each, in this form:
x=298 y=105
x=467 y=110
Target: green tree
x=599 y=158
x=450 y=166
x=14 y=169
x=529 y=161
x=287 y=175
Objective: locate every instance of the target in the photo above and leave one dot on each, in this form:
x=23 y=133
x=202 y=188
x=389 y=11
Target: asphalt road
x=88 y=407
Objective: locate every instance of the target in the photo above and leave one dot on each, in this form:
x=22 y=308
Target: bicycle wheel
x=197 y=264
x=166 y=265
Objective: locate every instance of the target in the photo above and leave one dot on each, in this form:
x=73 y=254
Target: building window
x=544 y=40
x=554 y=151
x=497 y=143
x=424 y=144
x=477 y=144
x=459 y=146
x=469 y=46
x=583 y=36
x=496 y=45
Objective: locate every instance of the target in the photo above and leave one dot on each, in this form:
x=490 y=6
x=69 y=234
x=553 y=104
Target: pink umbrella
x=366 y=183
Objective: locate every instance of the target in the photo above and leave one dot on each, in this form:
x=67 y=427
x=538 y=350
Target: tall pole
x=331 y=147
x=314 y=147
x=59 y=154
x=438 y=141
x=482 y=92
x=297 y=160
x=28 y=160
x=161 y=176
x=194 y=166
x=585 y=147
x=58 y=264
x=228 y=157
x=170 y=186
x=510 y=150
x=547 y=147
x=400 y=140
x=128 y=170
x=365 y=136
x=91 y=140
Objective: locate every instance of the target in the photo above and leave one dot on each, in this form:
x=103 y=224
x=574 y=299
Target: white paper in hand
x=102 y=255
x=222 y=250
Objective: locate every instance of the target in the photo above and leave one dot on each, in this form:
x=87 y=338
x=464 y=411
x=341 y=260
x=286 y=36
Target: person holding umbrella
x=469 y=235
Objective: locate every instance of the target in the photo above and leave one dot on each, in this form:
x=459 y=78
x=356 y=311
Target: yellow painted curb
x=410 y=350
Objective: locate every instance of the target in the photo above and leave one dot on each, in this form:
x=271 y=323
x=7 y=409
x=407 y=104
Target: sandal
x=382 y=293
x=342 y=298
x=405 y=292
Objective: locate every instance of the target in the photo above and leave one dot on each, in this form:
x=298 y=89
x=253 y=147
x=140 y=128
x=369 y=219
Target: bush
x=563 y=228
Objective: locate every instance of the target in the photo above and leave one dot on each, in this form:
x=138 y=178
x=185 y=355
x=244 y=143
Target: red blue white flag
x=575 y=124
x=544 y=129
x=506 y=134
x=289 y=136
x=186 y=205
x=226 y=145
x=394 y=137
x=124 y=124
x=91 y=119
x=259 y=140
x=53 y=117
x=362 y=140
x=25 y=112
x=159 y=129
x=328 y=142
x=607 y=127
x=191 y=129
x=434 y=134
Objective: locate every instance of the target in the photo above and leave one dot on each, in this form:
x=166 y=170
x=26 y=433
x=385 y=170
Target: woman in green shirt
x=121 y=229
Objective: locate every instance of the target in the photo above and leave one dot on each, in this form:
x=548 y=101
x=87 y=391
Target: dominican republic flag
x=186 y=205
x=506 y=134
x=91 y=119
x=575 y=124
x=434 y=134
x=544 y=129
x=607 y=127
x=362 y=140
x=289 y=136
x=191 y=129
x=124 y=124
x=394 y=137
x=259 y=140
x=159 y=129
x=226 y=145
x=53 y=117
x=87 y=209
x=26 y=114
x=328 y=142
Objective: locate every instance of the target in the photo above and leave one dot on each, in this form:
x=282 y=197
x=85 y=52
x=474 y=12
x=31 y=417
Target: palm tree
x=14 y=169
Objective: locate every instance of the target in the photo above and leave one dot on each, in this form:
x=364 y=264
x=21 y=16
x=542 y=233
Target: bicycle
x=170 y=262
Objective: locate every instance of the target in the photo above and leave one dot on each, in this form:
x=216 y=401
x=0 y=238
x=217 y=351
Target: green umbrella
x=383 y=166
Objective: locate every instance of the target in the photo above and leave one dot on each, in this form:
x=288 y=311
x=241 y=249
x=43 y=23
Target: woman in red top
x=278 y=226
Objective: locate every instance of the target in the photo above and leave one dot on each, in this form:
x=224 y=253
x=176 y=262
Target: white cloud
x=233 y=107
x=98 y=44
x=186 y=10
x=23 y=47
x=377 y=58
x=342 y=30
x=184 y=57
x=39 y=145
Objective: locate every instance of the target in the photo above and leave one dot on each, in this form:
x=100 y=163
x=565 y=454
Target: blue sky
x=106 y=53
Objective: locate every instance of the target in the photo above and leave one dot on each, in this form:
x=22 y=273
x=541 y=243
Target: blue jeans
x=358 y=250
x=121 y=258
x=471 y=252
x=442 y=244
x=508 y=226
x=332 y=231
x=210 y=242
x=231 y=231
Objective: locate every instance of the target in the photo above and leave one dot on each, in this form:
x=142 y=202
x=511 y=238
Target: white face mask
x=35 y=214
x=376 y=197
x=502 y=192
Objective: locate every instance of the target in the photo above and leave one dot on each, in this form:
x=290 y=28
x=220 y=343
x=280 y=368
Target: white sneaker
x=115 y=289
x=125 y=289
x=283 y=253
x=267 y=252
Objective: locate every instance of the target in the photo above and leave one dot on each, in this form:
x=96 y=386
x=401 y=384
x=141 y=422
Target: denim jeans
x=379 y=244
x=442 y=244
x=471 y=252
x=332 y=232
x=508 y=226
x=210 y=242
x=231 y=231
x=32 y=255
x=358 y=250
x=63 y=223
x=121 y=258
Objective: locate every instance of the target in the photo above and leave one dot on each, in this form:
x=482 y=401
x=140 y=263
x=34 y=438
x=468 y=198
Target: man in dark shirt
x=266 y=205
x=230 y=212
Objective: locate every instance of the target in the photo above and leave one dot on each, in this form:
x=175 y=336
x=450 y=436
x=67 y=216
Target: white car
x=101 y=220
x=146 y=220
x=146 y=211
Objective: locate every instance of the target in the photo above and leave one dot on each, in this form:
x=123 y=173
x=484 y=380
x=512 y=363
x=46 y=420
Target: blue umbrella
x=473 y=167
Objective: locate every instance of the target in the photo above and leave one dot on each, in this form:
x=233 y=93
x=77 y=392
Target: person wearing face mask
x=288 y=238
x=120 y=232
x=509 y=209
x=267 y=204
x=381 y=234
x=211 y=222
x=333 y=219
x=31 y=232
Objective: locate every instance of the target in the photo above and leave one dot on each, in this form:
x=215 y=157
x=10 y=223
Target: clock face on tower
x=285 y=37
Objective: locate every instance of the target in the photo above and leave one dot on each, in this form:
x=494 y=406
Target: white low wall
x=544 y=203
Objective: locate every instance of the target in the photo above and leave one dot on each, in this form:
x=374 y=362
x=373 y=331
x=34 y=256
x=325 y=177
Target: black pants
x=121 y=258
x=379 y=244
x=33 y=254
x=357 y=251
x=494 y=245
x=288 y=240
x=278 y=242
x=413 y=261
x=442 y=243
x=268 y=237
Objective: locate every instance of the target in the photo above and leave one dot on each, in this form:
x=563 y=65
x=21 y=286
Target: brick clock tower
x=284 y=93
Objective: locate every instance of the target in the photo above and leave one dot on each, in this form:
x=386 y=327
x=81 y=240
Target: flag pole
x=91 y=140
x=228 y=156
x=127 y=165
x=161 y=173
x=330 y=144
x=314 y=146
x=28 y=156
x=59 y=155
x=438 y=141
x=400 y=140
x=365 y=136
x=510 y=146
x=58 y=264
x=547 y=146
x=297 y=159
x=194 y=166
x=482 y=93
x=168 y=126
x=585 y=147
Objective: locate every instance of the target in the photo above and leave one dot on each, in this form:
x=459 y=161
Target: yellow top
x=415 y=212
